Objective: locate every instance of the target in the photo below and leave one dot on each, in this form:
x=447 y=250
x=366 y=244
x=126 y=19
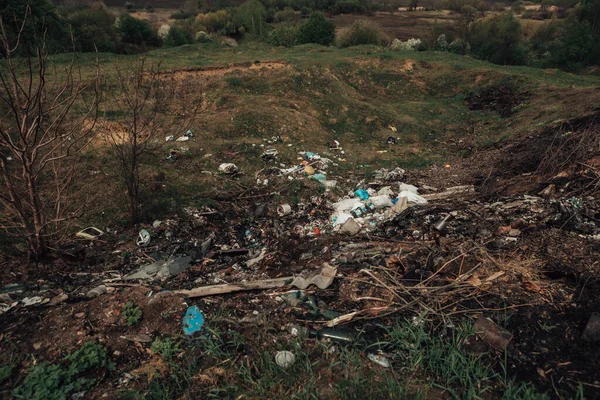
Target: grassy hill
x=440 y=107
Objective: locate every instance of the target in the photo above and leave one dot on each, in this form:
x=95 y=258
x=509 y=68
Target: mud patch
x=502 y=97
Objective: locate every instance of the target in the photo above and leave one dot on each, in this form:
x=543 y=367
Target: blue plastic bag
x=193 y=320
x=362 y=194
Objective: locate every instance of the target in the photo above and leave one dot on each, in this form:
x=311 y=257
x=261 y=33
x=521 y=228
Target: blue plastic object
x=394 y=201
x=362 y=194
x=319 y=177
x=193 y=320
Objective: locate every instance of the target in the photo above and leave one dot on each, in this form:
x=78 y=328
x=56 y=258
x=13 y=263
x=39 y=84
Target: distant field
x=402 y=25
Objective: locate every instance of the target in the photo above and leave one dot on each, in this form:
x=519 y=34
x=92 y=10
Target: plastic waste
x=90 y=232
x=284 y=209
x=350 y=227
x=379 y=359
x=386 y=190
x=335 y=334
x=143 y=238
x=329 y=184
x=285 y=359
x=362 y=194
x=412 y=197
x=340 y=219
x=192 y=321
x=322 y=279
x=308 y=170
x=228 y=168
x=382 y=201
x=347 y=205
x=409 y=188
x=319 y=177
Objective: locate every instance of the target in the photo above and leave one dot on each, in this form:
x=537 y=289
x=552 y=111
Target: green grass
x=60 y=380
x=424 y=361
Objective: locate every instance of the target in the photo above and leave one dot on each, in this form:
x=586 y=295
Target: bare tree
x=40 y=134
x=152 y=104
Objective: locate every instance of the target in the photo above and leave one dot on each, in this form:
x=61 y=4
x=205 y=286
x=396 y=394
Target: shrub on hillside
x=203 y=37
x=137 y=32
x=287 y=35
x=459 y=46
x=178 y=37
x=441 y=44
x=498 y=40
x=410 y=44
x=252 y=15
x=317 y=29
x=93 y=28
x=287 y=15
x=222 y=22
x=362 y=32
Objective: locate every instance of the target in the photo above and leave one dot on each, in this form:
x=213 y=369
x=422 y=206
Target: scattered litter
x=455 y=191
x=412 y=197
x=380 y=360
x=492 y=334
x=284 y=209
x=269 y=155
x=361 y=194
x=350 y=226
x=97 y=291
x=90 y=233
x=30 y=301
x=285 y=359
x=192 y=321
x=143 y=238
x=56 y=300
x=161 y=269
x=228 y=168
x=321 y=280
x=140 y=338
x=391 y=140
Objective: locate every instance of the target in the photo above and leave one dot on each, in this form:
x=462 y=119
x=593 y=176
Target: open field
x=410 y=291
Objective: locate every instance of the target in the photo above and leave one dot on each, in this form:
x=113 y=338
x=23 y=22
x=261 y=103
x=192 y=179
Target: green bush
x=287 y=15
x=362 y=32
x=43 y=22
x=253 y=16
x=287 y=35
x=137 y=32
x=317 y=29
x=202 y=37
x=59 y=381
x=93 y=28
x=498 y=40
x=183 y=15
x=576 y=48
x=178 y=37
